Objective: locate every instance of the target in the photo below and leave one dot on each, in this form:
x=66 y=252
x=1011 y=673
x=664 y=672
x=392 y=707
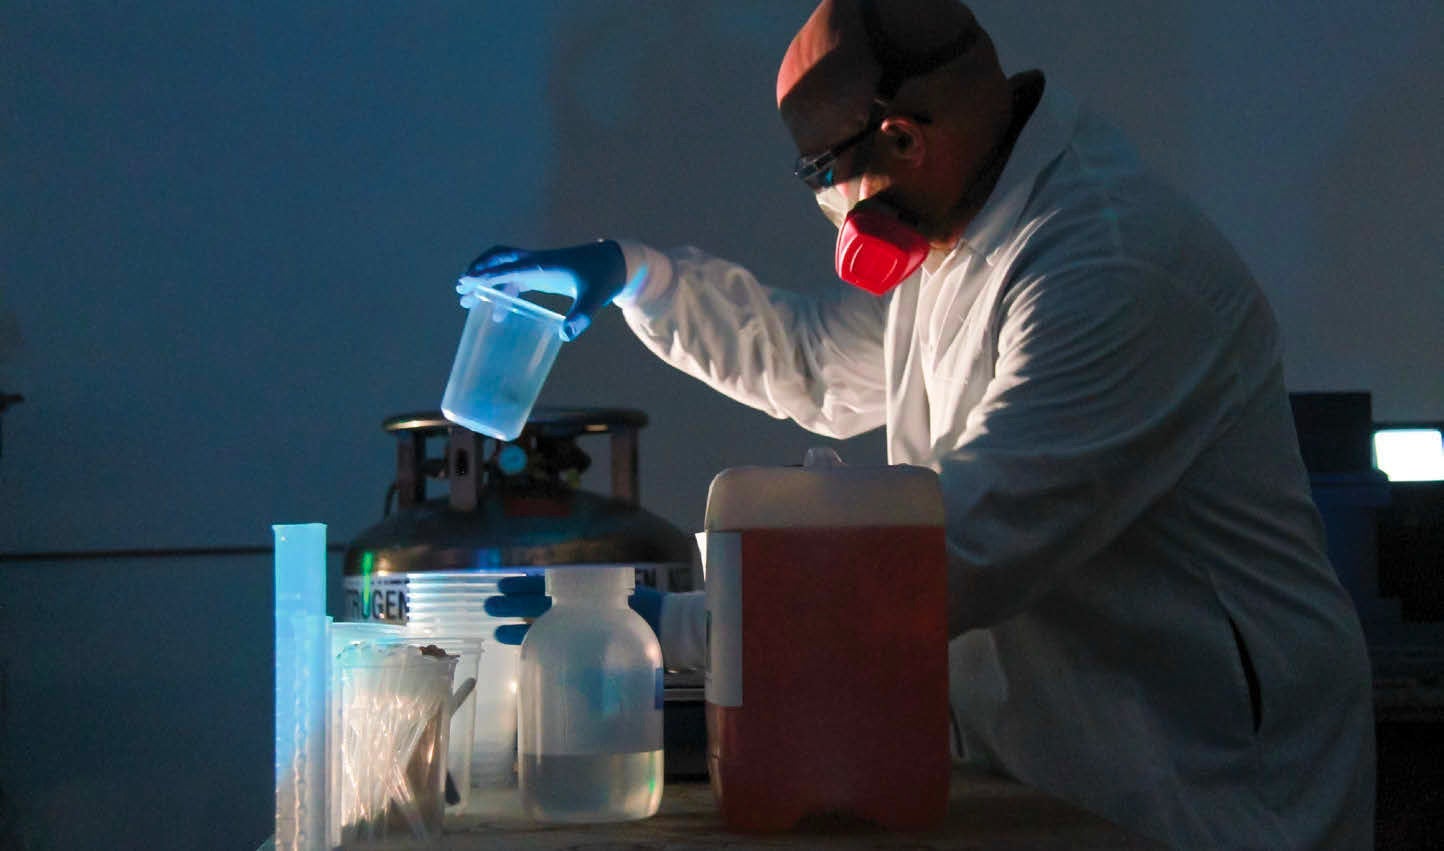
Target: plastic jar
x=590 y=694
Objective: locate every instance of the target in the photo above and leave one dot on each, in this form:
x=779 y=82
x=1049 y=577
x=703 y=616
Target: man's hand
x=525 y=597
x=592 y=274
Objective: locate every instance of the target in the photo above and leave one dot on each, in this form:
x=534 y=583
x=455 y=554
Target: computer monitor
x=1409 y=452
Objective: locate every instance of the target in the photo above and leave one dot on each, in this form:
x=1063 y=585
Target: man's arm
x=816 y=361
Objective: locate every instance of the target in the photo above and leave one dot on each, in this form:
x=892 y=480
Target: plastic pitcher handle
x=820 y=457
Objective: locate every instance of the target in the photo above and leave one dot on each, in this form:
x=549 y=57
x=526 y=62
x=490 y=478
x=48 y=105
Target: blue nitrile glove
x=525 y=597
x=592 y=274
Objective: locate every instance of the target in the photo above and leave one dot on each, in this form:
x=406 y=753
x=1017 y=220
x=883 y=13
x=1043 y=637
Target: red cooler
x=827 y=689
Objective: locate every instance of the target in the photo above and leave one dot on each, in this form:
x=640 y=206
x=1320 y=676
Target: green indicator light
x=368 y=565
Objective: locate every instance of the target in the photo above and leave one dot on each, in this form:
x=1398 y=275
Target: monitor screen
x=1410 y=454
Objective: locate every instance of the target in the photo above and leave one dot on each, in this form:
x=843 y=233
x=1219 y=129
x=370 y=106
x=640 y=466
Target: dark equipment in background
x=1386 y=539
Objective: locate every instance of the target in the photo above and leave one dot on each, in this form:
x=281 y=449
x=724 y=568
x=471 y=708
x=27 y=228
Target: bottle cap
x=590 y=581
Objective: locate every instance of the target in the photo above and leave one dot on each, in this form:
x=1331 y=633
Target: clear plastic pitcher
x=506 y=350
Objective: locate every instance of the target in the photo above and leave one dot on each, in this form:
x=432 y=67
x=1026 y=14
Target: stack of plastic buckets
x=450 y=604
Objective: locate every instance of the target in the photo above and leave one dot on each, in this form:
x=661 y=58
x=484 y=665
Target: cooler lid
x=823 y=492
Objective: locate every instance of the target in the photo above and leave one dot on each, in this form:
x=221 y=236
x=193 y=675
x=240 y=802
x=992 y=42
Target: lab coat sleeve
x=816 y=361
x=682 y=630
x=1111 y=378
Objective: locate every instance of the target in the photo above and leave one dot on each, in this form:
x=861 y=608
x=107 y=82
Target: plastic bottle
x=590 y=720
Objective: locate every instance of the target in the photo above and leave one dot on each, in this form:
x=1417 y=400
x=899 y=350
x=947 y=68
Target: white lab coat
x=1146 y=622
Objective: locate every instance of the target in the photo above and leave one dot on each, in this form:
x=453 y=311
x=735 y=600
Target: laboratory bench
x=984 y=811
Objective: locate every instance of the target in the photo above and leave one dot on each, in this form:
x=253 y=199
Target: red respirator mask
x=876 y=251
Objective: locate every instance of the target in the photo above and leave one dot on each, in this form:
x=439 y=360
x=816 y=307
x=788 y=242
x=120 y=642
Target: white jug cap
x=823 y=492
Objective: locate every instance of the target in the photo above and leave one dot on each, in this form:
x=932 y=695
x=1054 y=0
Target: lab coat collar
x=1043 y=139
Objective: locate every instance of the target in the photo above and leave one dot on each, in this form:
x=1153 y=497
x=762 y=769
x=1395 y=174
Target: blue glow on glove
x=525 y=597
x=553 y=281
x=592 y=274
x=647 y=602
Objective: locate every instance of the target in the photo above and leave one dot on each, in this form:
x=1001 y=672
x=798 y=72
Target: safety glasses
x=819 y=171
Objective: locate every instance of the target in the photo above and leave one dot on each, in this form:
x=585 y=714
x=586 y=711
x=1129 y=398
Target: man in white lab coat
x=1145 y=621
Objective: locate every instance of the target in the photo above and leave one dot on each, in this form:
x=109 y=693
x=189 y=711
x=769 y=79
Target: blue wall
x=228 y=234
x=138 y=704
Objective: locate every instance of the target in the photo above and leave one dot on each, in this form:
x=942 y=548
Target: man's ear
x=904 y=140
